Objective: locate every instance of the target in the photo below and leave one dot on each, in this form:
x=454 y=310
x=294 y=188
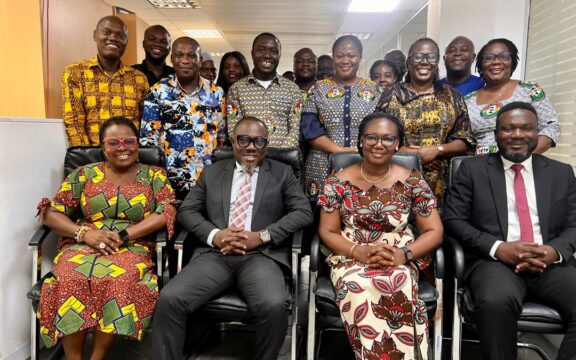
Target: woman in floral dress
x=103 y=273
x=375 y=255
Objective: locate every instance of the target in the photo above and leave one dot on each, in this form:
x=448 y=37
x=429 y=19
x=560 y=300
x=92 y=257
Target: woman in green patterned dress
x=103 y=273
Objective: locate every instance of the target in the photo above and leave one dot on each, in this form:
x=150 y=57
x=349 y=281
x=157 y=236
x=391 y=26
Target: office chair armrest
x=439 y=262
x=458 y=253
x=297 y=240
x=39 y=236
x=315 y=253
x=179 y=241
x=161 y=237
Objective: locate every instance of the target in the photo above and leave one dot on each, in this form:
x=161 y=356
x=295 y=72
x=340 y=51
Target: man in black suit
x=517 y=225
x=245 y=210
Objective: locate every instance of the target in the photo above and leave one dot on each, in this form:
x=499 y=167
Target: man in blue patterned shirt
x=183 y=114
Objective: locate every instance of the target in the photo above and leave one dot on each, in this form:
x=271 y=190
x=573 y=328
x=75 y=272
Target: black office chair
x=78 y=156
x=230 y=306
x=535 y=318
x=323 y=313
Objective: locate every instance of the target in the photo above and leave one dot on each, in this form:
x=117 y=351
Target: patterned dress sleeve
x=547 y=116
x=164 y=196
x=73 y=109
x=311 y=126
x=67 y=199
x=461 y=130
x=423 y=200
x=331 y=197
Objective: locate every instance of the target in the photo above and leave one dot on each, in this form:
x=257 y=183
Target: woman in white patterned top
x=496 y=62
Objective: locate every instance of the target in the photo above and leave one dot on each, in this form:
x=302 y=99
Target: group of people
x=378 y=219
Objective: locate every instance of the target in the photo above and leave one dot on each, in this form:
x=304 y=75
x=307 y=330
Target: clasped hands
x=380 y=255
x=236 y=241
x=525 y=256
x=94 y=238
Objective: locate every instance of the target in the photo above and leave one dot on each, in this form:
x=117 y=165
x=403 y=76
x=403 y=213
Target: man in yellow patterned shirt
x=98 y=88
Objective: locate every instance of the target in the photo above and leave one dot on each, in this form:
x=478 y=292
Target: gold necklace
x=370 y=181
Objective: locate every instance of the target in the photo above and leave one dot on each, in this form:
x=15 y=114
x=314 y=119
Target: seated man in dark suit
x=245 y=210
x=515 y=214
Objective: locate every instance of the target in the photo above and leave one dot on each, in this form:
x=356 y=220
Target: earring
x=396 y=148
x=360 y=144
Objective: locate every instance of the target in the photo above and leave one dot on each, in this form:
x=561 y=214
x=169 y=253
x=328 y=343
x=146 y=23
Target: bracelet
x=79 y=234
x=352 y=250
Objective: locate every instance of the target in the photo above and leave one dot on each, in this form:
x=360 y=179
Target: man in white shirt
x=245 y=211
x=514 y=213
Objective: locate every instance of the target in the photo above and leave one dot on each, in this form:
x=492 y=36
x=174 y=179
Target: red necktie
x=238 y=218
x=526 y=232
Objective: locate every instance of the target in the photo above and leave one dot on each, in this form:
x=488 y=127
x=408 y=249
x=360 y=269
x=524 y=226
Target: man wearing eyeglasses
x=244 y=210
x=458 y=58
x=183 y=115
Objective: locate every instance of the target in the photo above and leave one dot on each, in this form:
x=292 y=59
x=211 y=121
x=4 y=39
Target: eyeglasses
x=129 y=141
x=503 y=56
x=432 y=58
x=244 y=141
x=386 y=140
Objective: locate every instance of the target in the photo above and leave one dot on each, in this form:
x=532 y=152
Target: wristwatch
x=408 y=253
x=124 y=235
x=265 y=236
x=440 y=149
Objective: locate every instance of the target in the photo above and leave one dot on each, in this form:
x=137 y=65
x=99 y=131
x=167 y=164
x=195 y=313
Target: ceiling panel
x=297 y=23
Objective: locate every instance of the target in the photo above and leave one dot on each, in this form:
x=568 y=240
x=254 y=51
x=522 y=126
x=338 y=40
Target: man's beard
x=248 y=168
x=515 y=157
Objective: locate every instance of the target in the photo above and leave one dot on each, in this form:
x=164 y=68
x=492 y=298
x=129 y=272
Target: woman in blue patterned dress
x=333 y=110
x=496 y=63
x=375 y=254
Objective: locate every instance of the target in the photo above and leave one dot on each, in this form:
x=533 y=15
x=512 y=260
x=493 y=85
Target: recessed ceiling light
x=361 y=36
x=203 y=34
x=367 y=6
x=216 y=54
x=175 y=4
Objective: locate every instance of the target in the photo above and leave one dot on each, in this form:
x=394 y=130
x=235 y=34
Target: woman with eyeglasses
x=496 y=63
x=365 y=209
x=103 y=274
x=334 y=108
x=434 y=115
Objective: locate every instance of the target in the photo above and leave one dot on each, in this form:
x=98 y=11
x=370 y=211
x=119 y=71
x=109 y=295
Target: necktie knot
x=517 y=168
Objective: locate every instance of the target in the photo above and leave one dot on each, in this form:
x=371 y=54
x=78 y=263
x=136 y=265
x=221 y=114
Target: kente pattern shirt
x=278 y=106
x=90 y=96
x=186 y=125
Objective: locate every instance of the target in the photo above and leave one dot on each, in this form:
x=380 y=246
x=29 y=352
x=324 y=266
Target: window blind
x=551 y=62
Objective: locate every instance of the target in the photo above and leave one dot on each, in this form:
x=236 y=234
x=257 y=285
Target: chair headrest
x=342 y=160
x=291 y=157
x=454 y=165
x=82 y=155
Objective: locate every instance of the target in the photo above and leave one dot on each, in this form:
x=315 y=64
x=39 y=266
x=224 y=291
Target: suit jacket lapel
x=543 y=192
x=226 y=184
x=261 y=184
x=498 y=188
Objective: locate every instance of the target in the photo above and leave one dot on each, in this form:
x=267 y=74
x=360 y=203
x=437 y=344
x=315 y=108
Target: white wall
x=31 y=168
x=481 y=21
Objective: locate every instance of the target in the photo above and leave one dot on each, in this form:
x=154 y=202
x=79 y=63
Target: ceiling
x=297 y=23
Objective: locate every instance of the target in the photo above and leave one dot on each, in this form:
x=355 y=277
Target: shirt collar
x=251 y=78
x=238 y=168
x=526 y=163
x=202 y=83
x=94 y=62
